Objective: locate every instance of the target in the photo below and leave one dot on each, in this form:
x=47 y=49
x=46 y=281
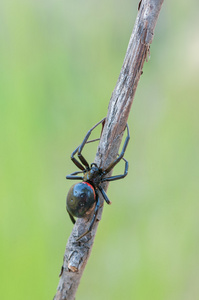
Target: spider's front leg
x=73 y=176
x=85 y=140
x=83 y=162
x=117 y=160
x=116 y=177
x=75 y=161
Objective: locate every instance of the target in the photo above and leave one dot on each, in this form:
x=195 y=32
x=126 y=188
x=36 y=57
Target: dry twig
x=77 y=253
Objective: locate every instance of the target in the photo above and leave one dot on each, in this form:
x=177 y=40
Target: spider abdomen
x=81 y=197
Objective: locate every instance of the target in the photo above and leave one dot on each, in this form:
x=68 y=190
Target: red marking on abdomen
x=85 y=182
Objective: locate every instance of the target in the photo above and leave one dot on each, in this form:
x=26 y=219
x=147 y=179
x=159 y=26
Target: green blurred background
x=59 y=62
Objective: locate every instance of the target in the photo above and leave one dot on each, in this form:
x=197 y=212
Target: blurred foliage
x=60 y=61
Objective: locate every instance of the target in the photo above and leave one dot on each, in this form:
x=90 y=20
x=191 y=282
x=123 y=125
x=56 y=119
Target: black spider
x=83 y=196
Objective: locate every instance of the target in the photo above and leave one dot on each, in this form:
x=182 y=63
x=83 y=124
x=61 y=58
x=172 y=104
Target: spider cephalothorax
x=83 y=196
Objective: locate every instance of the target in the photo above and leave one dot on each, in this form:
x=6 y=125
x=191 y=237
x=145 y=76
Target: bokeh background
x=59 y=62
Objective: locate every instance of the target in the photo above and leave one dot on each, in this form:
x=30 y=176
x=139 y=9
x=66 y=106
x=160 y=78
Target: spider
x=83 y=197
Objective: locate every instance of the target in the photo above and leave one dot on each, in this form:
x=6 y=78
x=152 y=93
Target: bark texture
x=138 y=51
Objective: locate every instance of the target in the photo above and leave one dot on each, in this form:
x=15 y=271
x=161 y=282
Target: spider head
x=94 y=170
x=80 y=199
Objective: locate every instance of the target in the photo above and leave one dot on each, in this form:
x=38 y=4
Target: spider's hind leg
x=104 y=195
x=93 y=219
x=71 y=217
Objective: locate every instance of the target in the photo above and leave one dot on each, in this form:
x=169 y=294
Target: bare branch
x=138 y=51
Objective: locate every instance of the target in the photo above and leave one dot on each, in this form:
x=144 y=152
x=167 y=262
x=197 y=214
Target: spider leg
x=75 y=161
x=112 y=178
x=104 y=195
x=85 y=140
x=73 y=175
x=117 y=160
x=80 y=147
x=92 y=221
x=90 y=141
x=71 y=217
